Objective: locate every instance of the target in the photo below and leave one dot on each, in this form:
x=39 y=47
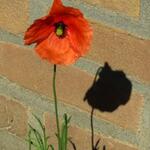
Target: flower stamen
x=60 y=29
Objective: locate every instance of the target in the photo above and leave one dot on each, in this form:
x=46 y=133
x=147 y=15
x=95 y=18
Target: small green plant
x=40 y=141
x=64 y=132
x=37 y=139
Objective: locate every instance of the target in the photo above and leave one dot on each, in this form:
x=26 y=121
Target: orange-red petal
x=79 y=33
x=39 y=30
x=59 y=9
x=56 y=50
x=60 y=50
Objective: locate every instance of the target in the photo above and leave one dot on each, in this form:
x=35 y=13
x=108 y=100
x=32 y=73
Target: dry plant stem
x=56 y=107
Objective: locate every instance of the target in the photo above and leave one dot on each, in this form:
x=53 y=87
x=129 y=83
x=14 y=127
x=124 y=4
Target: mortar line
x=8 y=140
x=10 y=37
x=144 y=134
x=83 y=63
x=113 y=19
x=145 y=10
x=91 y=67
x=80 y=118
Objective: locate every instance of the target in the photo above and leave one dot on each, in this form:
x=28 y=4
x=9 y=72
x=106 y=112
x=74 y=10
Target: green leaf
x=31 y=142
x=39 y=121
x=38 y=137
x=44 y=132
x=64 y=131
x=51 y=146
x=29 y=136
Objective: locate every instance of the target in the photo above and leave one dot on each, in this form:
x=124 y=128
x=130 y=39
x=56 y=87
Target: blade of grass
x=29 y=136
x=52 y=147
x=43 y=130
x=39 y=121
x=64 y=131
x=46 y=142
x=38 y=137
x=32 y=142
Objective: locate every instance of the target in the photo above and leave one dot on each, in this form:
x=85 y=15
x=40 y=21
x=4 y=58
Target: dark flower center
x=60 y=28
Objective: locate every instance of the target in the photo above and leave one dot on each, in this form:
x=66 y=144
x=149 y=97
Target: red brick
x=13 y=116
x=122 y=51
x=128 y=7
x=11 y=142
x=82 y=137
x=14 y=15
x=26 y=69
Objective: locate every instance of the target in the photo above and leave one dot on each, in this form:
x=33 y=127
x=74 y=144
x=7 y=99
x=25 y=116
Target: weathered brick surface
x=13 y=116
x=129 y=7
x=11 y=142
x=14 y=15
x=121 y=51
x=82 y=137
x=25 y=68
x=131 y=112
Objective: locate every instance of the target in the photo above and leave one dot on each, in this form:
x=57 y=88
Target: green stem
x=56 y=107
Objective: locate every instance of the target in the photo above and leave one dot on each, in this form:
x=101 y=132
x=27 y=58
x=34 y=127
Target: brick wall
x=121 y=38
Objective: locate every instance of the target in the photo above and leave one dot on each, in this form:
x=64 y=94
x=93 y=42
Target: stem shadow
x=73 y=144
x=96 y=145
x=110 y=89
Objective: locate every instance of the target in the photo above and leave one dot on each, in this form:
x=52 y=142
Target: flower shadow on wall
x=110 y=89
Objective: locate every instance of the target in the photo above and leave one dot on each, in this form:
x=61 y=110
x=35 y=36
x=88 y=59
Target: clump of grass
x=39 y=140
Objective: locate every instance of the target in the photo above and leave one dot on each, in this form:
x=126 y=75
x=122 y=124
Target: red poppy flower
x=62 y=36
